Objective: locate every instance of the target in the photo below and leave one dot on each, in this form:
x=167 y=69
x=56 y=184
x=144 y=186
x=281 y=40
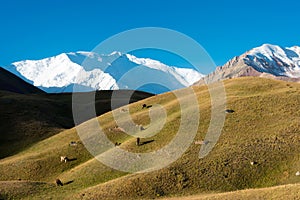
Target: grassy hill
x=28 y=118
x=263 y=129
x=290 y=191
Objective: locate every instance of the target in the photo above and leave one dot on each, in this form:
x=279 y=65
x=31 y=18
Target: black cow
x=229 y=111
x=138 y=141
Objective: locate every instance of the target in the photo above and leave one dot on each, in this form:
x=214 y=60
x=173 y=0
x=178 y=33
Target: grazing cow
x=145 y=106
x=117 y=128
x=140 y=127
x=117 y=144
x=73 y=143
x=253 y=163
x=202 y=142
x=64 y=159
x=58 y=182
x=229 y=111
x=138 y=141
x=123 y=110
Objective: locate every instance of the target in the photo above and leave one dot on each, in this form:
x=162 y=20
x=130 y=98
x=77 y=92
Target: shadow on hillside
x=147 y=142
x=27 y=119
x=68 y=182
x=72 y=159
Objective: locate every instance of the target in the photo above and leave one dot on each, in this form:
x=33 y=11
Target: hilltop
x=12 y=83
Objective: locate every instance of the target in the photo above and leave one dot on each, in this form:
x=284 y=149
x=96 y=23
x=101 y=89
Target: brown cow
x=58 y=182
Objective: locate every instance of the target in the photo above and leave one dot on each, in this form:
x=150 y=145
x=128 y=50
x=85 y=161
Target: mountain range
x=92 y=71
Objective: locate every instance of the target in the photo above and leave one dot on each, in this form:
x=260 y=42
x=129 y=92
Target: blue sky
x=35 y=29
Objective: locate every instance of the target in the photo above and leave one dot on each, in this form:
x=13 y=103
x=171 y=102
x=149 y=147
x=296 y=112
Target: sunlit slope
x=264 y=129
x=282 y=192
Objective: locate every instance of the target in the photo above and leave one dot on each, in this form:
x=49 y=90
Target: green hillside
x=264 y=129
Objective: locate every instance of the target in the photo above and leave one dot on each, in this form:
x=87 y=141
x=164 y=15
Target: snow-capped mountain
x=268 y=60
x=93 y=71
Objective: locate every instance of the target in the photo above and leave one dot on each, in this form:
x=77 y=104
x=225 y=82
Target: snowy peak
x=184 y=75
x=61 y=71
x=275 y=60
x=147 y=62
x=48 y=72
x=296 y=49
x=101 y=72
x=267 y=50
x=268 y=60
x=286 y=54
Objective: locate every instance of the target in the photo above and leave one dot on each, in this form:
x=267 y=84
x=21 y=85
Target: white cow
x=64 y=159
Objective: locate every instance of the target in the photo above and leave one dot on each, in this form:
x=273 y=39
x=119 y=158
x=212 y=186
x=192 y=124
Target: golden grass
x=264 y=128
x=283 y=192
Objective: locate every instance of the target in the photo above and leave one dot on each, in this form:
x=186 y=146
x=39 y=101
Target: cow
x=140 y=127
x=73 y=143
x=253 y=163
x=58 y=182
x=64 y=159
x=138 y=141
x=229 y=111
x=146 y=106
